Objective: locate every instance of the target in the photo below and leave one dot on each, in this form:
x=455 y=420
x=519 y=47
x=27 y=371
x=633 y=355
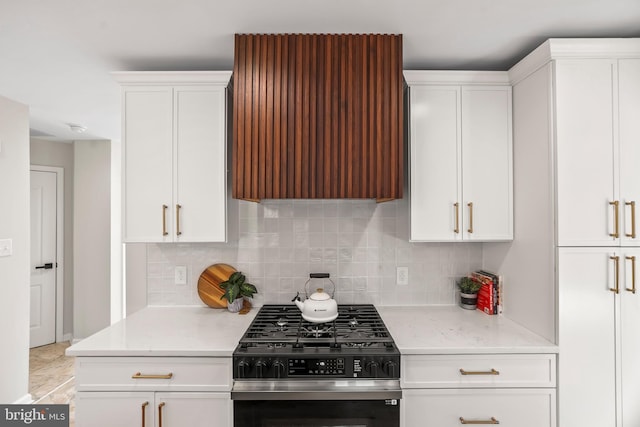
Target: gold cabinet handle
x=616 y=263
x=491 y=372
x=139 y=376
x=457 y=229
x=633 y=219
x=633 y=274
x=144 y=410
x=164 y=220
x=491 y=421
x=616 y=225
x=178 y=232
x=470 y=204
x=160 y=406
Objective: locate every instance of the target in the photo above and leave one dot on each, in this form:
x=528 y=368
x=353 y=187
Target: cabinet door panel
x=629 y=121
x=509 y=407
x=122 y=409
x=586 y=336
x=487 y=163
x=435 y=145
x=195 y=409
x=630 y=340
x=585 y=152
x=147 y=156
x=200 y=163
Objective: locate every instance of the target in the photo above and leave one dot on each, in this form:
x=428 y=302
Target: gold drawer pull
x=491 y=421
x=178 y=232
x=139 y=376
x=470 y=205
x=633 y=219
x=616 y=225
x=164 y=220
x=633 y=274
x=160 y=406
x=144 y=407
x=491 y=372
x=457 y=229
x=616 y=263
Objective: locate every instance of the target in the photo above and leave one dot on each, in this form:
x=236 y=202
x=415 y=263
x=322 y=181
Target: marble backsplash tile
x=277 y=243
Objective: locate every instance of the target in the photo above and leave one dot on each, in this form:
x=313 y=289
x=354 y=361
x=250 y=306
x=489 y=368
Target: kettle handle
x=319 y=276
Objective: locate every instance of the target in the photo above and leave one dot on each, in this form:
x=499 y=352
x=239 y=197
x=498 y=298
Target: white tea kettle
x=320 y=307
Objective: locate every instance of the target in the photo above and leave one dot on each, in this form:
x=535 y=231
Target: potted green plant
x=469 y=293
x=236 y=288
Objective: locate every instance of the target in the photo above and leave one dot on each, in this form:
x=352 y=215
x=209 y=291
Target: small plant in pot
x=236 y=288
x=468 y=293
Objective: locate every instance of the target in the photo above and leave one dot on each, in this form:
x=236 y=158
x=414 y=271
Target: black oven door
x=316 y=413
x=338 y=403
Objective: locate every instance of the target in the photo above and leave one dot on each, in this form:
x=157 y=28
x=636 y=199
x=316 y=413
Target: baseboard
x=75 y=341
x=24 y=400
x=67 y=337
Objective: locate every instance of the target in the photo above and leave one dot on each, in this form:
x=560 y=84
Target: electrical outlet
x=6 y=247
x=181 y=275
x=402 y=276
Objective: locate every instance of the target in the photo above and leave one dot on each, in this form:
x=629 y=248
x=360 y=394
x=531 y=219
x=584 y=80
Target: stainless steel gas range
x=291 y=372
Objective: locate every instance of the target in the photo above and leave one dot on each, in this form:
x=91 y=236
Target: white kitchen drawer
x=508 y=370
x=187 y=373
x=509 y=407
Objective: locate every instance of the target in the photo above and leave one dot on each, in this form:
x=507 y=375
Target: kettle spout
x=299 y=304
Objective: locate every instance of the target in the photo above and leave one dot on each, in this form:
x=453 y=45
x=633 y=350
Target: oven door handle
x=316 y=390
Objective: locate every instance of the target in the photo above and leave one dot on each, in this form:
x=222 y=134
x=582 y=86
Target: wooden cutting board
x=209 y=288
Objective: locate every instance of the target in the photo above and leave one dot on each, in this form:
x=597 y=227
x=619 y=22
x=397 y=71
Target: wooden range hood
x=317 y=116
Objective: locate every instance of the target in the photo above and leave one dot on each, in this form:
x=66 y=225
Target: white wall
x=14 y=270
x=92 y=237
x=528 y=263
x=60 y=154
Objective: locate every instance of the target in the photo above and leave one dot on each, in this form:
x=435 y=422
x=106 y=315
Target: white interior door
x=43 y=258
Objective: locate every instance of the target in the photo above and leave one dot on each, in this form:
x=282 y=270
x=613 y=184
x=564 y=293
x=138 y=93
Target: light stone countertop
x=208 y=332
x=169 y=331
x=453 y=330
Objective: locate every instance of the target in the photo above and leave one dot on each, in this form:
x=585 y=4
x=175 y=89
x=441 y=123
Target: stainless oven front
x=325 y=403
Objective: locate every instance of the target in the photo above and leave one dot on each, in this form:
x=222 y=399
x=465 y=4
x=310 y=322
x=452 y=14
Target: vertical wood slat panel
x=318 y=116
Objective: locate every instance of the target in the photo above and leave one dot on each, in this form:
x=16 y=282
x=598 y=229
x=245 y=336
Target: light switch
x=6 y=247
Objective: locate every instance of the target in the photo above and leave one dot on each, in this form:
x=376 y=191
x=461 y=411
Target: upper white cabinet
x=597 y=131
x=174 y=156
x=460 y=156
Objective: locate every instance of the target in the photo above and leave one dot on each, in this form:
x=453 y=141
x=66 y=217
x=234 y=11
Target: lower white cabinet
x=516 y=390
x=153 y=392
x=455 y=407
x=148 y=409
x=599 y=326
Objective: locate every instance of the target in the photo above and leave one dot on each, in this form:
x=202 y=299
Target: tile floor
x=52 y=377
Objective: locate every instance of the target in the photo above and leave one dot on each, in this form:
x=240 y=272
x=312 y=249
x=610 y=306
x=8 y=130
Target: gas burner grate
x=277 y=326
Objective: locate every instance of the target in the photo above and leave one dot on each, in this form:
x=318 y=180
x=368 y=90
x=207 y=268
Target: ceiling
x=56 y=56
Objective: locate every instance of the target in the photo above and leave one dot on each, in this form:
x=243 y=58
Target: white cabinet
x=452 y=408
x=450 y=390
x=153 y=391
x=174 y=156
x=576 y=142
x=146 y=409
x=599 y=327
x=597 y=131
x=460 y=156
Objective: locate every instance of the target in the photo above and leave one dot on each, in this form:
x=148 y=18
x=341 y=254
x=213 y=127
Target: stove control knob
x=278 y=369
x=391 y=369
x=372 y=368
x=261 y=368
x=243 y=368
